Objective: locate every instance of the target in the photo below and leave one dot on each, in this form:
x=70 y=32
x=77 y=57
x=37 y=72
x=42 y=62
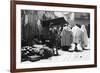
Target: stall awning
x=52 y=22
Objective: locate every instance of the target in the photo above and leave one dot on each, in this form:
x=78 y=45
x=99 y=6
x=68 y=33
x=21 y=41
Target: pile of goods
x=35 y=53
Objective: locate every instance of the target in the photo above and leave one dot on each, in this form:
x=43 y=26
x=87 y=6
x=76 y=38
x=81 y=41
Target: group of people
x=75 y=38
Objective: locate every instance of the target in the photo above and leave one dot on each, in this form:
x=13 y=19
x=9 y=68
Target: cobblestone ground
x=66 y=56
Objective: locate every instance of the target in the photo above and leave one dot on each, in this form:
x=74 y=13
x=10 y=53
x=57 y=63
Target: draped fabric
x=66 y=36
x=31 y=23
x=84 y=37
x=30 y=27
x=39 y=26
x=27 y=32
x=26 y=19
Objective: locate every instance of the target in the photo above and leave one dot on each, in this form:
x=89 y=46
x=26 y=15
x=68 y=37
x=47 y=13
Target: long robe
x=84 y=37
x=77 y=35
x=66 y=36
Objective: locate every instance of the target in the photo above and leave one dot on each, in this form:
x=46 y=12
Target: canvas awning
x=57 y=21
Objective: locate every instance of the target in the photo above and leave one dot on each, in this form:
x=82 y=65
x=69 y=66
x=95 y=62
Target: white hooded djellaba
x=77 y=37
x=84 y=36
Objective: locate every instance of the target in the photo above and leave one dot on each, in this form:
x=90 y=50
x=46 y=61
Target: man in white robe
x=77 y=38
x=84 y=37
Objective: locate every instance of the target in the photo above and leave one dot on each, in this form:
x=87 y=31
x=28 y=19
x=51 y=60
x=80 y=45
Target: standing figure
x=77 y=37
x=84 y=37
x=66 y=38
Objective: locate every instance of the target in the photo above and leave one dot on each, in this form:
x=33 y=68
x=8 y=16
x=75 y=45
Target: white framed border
x=20 y=65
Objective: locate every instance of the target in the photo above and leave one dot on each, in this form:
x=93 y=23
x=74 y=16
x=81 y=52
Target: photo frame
x=24 y=13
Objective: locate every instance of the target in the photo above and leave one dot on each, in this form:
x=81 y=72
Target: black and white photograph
x=53 y=36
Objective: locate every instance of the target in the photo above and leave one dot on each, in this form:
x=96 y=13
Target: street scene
x=51 y=36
